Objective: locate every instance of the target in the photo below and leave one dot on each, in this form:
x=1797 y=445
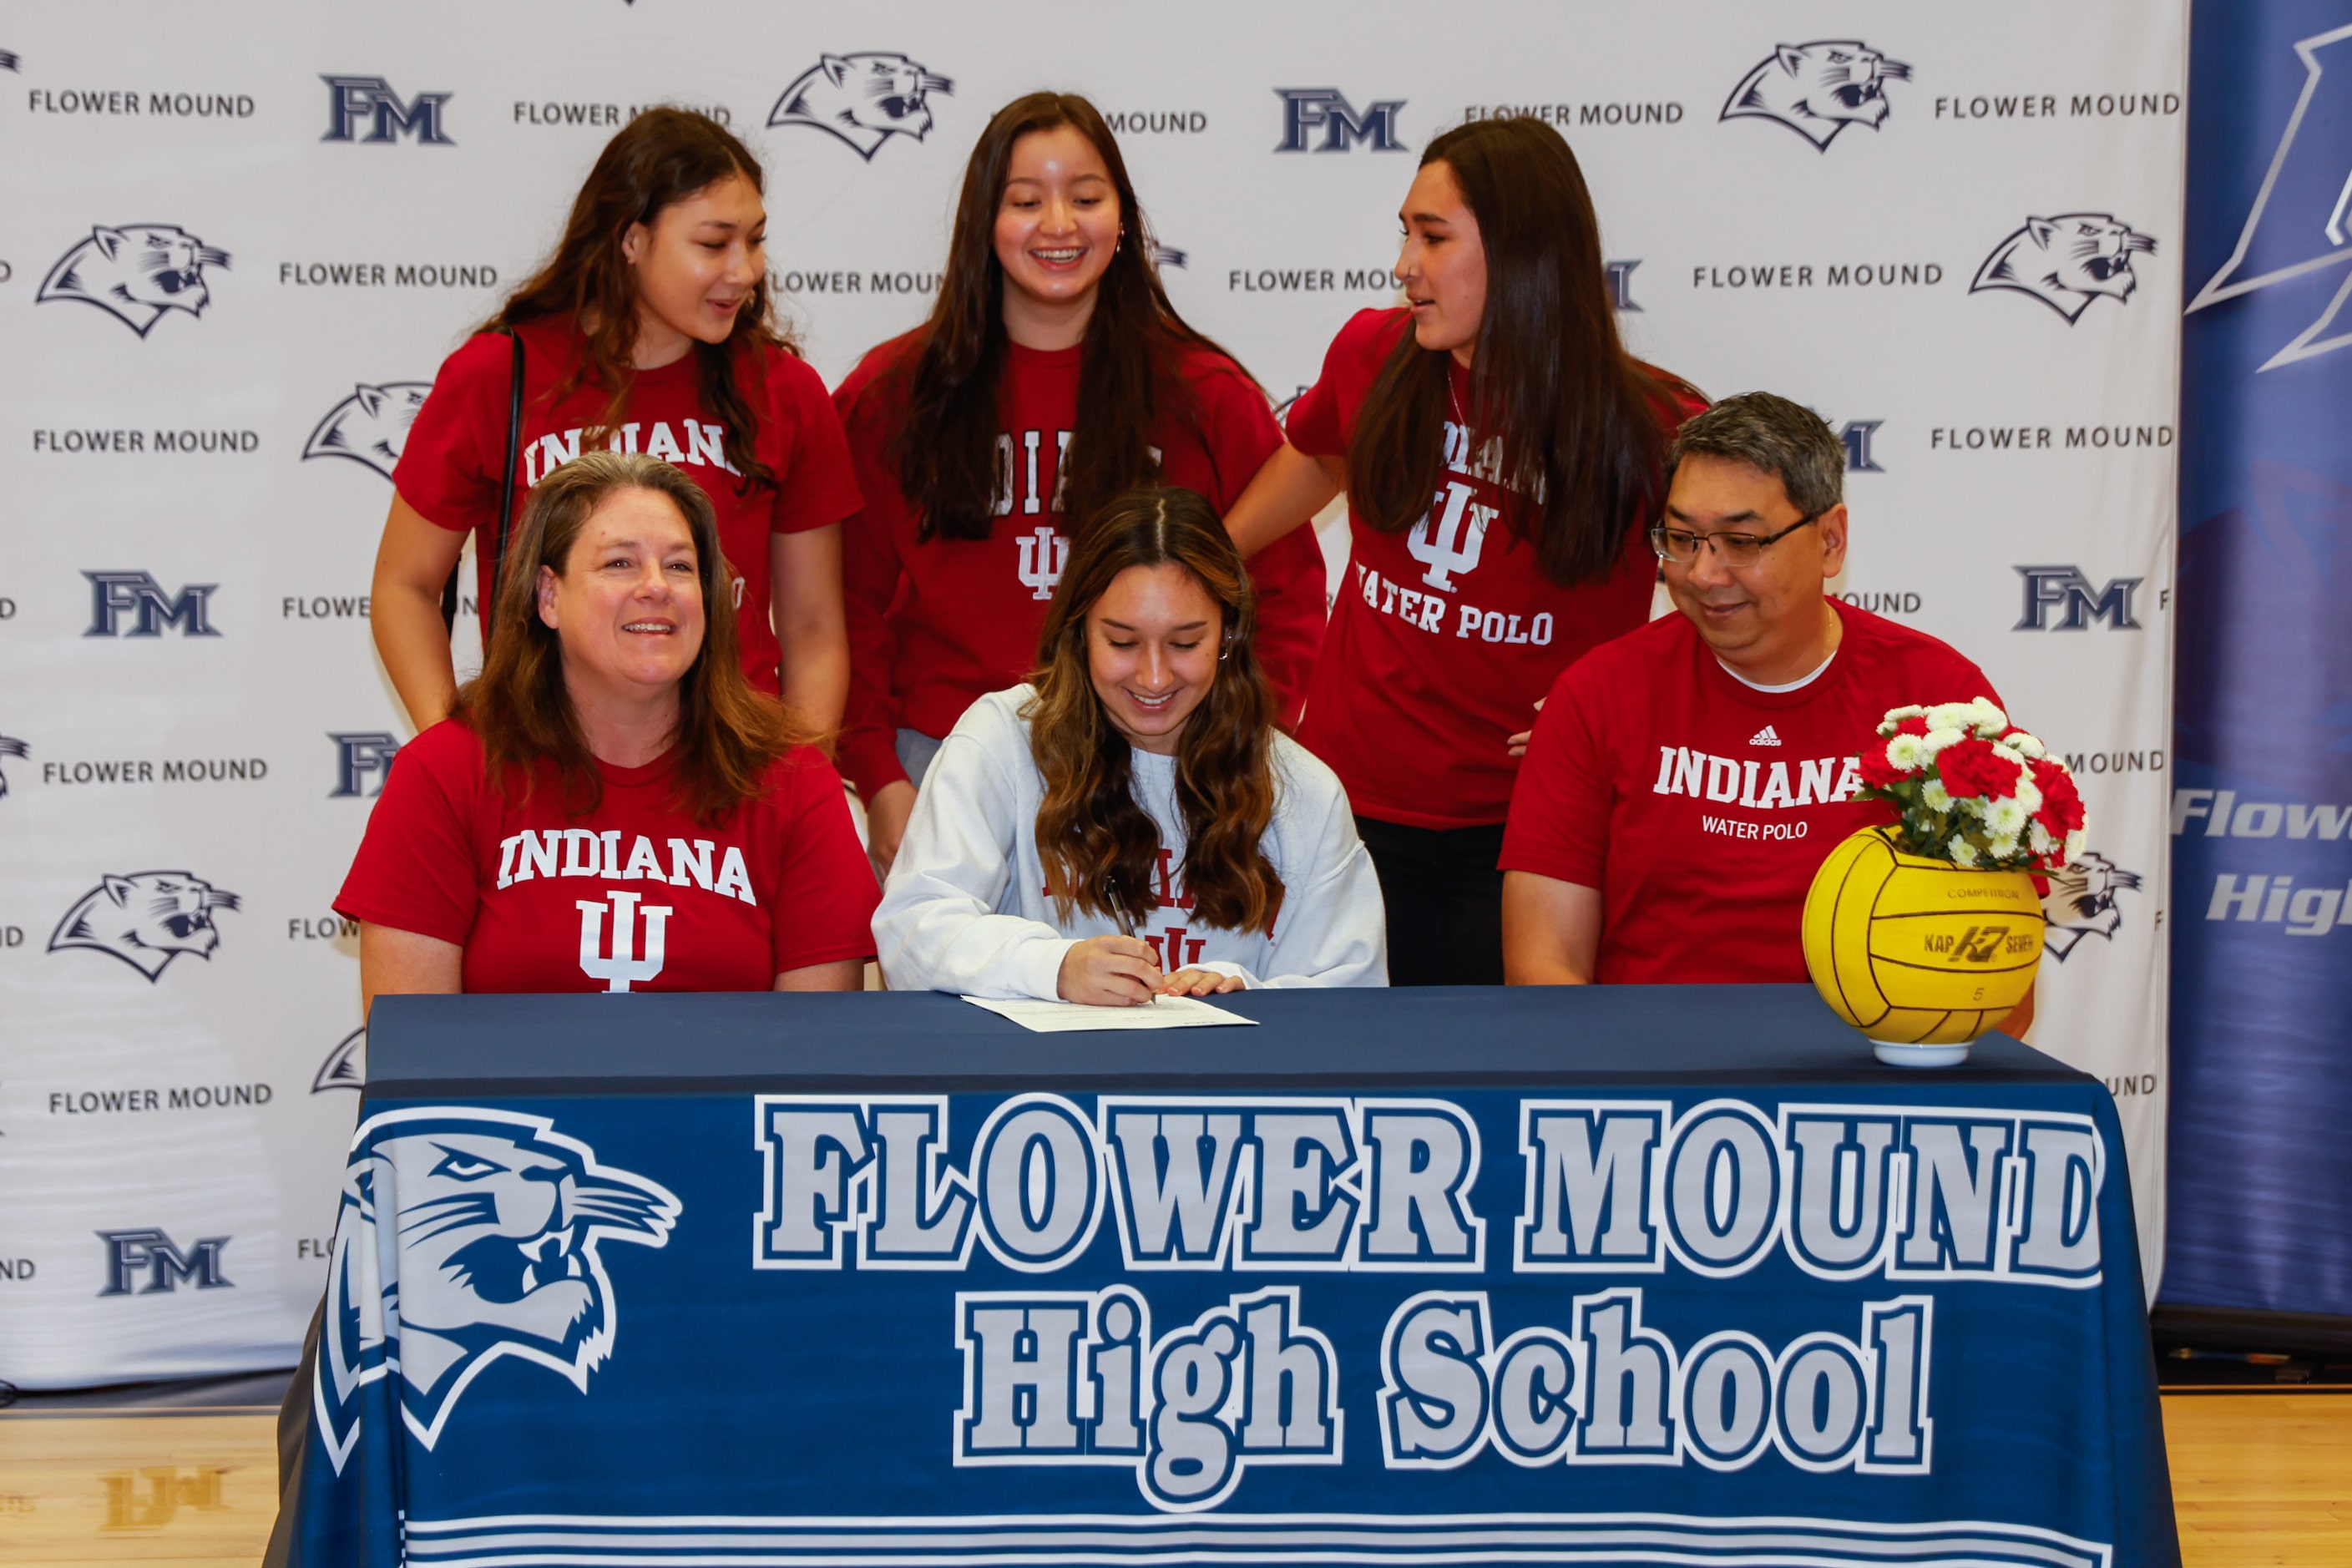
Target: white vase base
x=1902 y=1054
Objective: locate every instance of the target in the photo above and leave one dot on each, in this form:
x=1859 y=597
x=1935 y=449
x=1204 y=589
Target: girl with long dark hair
x=1053 y=375
x=1502 y=456
x=611 y=806
x=649 y=331
x=1133 y=823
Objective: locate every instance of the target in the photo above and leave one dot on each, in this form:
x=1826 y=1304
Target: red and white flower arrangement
x=1974 y=789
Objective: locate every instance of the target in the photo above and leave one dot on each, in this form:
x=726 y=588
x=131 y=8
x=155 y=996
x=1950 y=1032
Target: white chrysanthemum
x=2038 y=838
x=2007 y=818
x=1935 y=795
x=1963 y=852
x=1950 y=716
x=1903 y=751
x=2008 y=753
x=2076 y=842
x=2002 y=846
x=1988 y=719
x=2029 y=746
x=1939 y=736
x=1895 y=717
x=2028 y=794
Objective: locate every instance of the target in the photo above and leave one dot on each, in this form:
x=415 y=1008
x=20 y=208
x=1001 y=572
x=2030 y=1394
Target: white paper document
x=1070 y=1017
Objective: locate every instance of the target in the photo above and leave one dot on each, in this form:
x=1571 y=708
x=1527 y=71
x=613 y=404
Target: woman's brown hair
x=945 y=452
x=1573 y=414
x=519 y=705
x=660 y=158
x=1100 y=849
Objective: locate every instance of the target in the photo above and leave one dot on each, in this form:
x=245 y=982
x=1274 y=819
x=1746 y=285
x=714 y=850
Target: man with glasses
x=1685 y=782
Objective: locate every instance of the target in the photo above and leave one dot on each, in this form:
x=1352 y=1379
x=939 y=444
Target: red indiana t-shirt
x=1701 y=807
x=637 y=894
x=449 y=468
x=935 y=624
x=1444 y=635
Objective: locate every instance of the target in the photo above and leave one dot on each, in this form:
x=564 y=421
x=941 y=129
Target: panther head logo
x=136 y=273
x=2066 y=261
x=371 y=426
x=865 y=99
x=1817 y=90
x=2082 y=902
x=11 y=747
x=488 y=1223
x=8 y=62
x=346 y=1065
x=146 y=919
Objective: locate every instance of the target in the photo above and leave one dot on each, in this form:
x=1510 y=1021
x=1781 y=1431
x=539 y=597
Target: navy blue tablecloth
x=1606 y=1275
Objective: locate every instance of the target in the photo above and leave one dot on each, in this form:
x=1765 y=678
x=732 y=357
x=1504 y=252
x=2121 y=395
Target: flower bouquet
x=1974 y=789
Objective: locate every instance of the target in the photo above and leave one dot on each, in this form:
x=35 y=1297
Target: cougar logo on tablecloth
x=498 y=1225
x=865 y=99
x=2082 y=902
x=137 y=273
x=371 y=426
x=11 y=747
x=146 y=919
x=345 y=1067
x=1817 y=90
x=2066 y=261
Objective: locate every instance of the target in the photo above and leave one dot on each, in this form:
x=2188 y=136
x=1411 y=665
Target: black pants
x=1445 y=900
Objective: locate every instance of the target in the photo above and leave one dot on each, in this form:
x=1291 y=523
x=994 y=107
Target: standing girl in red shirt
x=1501 y=452
x=649 y=331
x=1053 y=375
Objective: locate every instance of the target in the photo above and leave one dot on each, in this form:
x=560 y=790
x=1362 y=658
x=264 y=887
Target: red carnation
x=1971 y=767
x=2062 y=807
x=1914 y=725
x=1877 y=772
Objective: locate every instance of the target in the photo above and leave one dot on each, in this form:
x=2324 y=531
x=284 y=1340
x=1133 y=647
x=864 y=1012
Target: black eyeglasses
x=1681 y=545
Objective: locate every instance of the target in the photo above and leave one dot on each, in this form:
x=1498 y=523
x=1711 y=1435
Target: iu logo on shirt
x=1455 y=542
x=624 y=965
x=1043 y=555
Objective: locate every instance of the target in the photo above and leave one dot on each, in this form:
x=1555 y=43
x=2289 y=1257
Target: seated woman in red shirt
x=1053 y=375
x=611 y=806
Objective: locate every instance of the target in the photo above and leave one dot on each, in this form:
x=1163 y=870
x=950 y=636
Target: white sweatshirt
x=965 y=910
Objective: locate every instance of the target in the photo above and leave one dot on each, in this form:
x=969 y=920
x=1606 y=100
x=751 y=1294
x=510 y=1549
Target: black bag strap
x=506 y=481
x=506 y=506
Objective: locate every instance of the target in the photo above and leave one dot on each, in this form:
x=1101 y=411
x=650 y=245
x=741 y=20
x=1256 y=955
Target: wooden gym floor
x=2258 y=1477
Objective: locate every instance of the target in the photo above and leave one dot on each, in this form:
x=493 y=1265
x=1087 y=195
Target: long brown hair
x=1100 y=849
x=727 y=734
x=945 y=452
x=660 y=158
x=1573 y=413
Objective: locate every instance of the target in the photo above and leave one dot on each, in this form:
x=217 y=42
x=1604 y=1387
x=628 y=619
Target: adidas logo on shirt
x=1764 y=737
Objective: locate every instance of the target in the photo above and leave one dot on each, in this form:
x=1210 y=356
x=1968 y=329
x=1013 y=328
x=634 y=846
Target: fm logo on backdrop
x=1321 y=120
x=510 y=1266
x=371 y=426
x=360 y=755
x=150 y=1253
x=133 y=603
x=1817 y=90
x=137 y=273
x=2066 y=261
x=865 y=99
x=2064 y=599
x=2301 y=221
x=146 y=919
x=366 y=109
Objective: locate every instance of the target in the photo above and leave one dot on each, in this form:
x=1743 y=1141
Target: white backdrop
x=191 y=258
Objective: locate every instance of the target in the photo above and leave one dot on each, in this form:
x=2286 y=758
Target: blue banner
x=2262 y=813
x=1644 y=1322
